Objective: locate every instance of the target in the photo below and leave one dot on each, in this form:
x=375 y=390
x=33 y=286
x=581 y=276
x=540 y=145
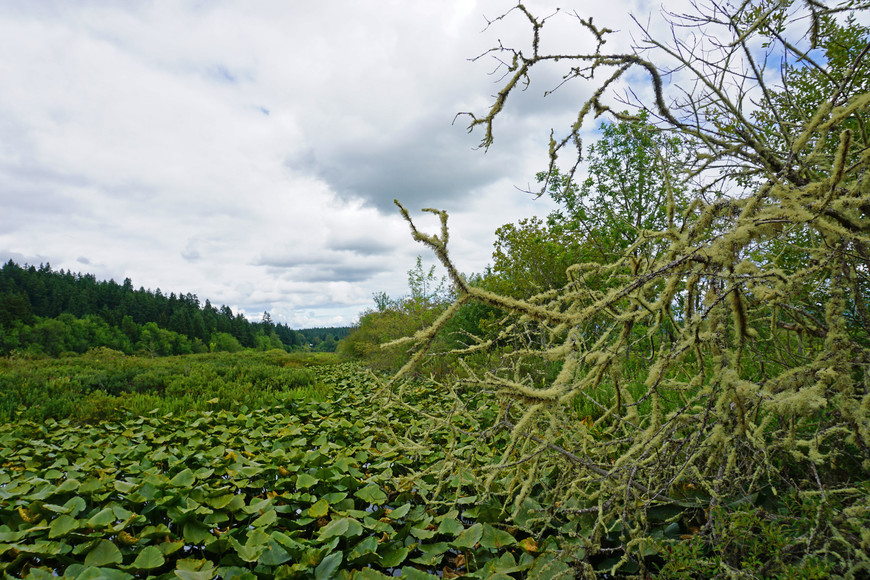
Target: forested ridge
x=47 y=311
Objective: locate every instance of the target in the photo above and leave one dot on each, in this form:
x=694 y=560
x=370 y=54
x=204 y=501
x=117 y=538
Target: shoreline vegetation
x=667 y=377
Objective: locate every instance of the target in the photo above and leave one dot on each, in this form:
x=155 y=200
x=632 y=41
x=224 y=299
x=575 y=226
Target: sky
x=249 y=152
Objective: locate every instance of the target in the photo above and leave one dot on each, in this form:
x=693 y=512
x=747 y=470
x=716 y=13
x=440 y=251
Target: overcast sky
x=249 y=152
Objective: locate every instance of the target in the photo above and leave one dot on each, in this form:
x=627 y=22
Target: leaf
x=149 y=558
x=104 y=552
x=400 y=511
x=319 y=509
x=372 y=494
x=470 y=537
x=370 y=574
x=368 y=545
x=266 y=519
x=432 y=553
x=195 y=574
x=124 y=486
x=422 y=533
x=220 y=501
x=183 y=479
x=495 y=538
x=450 y=526
x=102 y=518
x=547 y=566
x=393 y=557
x=343 y=527
x=93 y=573
x=327 y=567
x=414 y=574
x=189 y=569
x=273 y=555
x=168 y=548
x=528 y=544
x=195 y=532
x=68 y=486
x=62 y=525
x=305 y=481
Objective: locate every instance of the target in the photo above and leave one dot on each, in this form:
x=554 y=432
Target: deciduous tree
x=749 y=385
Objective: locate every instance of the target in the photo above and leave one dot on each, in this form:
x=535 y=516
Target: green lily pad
x=470 y=537
x=372 y=494
x=104 y=552
x=327 y=567
x=62 y=525
x=149 y=558
x=495 y=538
x=183 y=479
x=319 y=509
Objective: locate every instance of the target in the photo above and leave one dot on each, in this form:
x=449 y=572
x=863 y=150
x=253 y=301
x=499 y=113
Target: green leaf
x=266 y=519
x=68 y=486
x=149 y=558
x=547 y=566
x=470 y=537
x=432 y=553
x=495 y=538
x=305 y=481
x=343 y=527
x=371 y=574
x=394 y=556
x=183 y=479
x=104 y=552
x=125 y=486
x=62 y=525
x=422 y=533
x=273 y=555
x=195 y=574
x=319 y=509
x=102 y=518
x=450 y=527
x=196 y=532
x=189 y=569
x=168 y=548
x=327 y=567
x=220 y=501
x=414 y=574
x=368 y=545
x=400 y=511
x=93 y=573
x=372 y=494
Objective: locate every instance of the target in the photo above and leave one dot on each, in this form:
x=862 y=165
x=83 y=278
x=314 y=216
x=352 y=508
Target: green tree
x=224 y=342
x=747 y=384
x=377 y=337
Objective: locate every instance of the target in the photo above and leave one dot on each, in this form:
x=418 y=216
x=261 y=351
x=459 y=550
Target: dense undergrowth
x=104 y=384
x=328 y=472
x=294 y=487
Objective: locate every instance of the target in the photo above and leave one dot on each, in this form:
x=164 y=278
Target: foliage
x=532 y=257
x=324 y=339
x=297 y=489
x=720 y=374
x=373 y=338
x=28 y=295
x=104 y=384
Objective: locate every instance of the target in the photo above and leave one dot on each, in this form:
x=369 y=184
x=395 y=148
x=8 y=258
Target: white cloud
x=249 y=153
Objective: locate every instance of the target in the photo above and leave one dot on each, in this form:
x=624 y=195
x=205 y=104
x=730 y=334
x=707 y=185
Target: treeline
x=324 y=339
x=47 y=311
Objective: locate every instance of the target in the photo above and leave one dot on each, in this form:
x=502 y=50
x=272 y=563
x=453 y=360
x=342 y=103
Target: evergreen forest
x=668 y=376
x=54 y=312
